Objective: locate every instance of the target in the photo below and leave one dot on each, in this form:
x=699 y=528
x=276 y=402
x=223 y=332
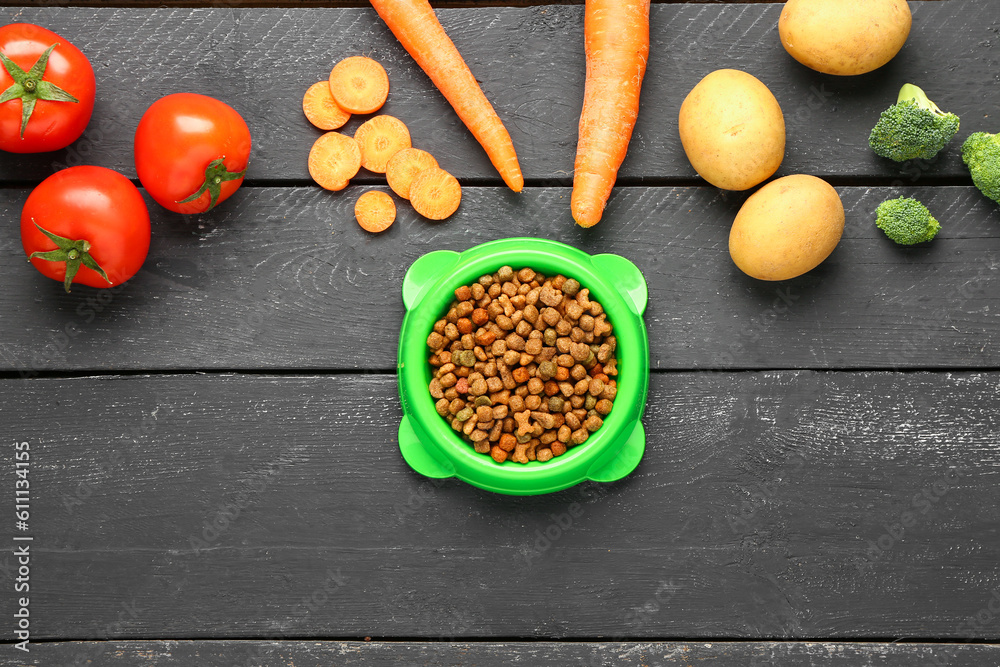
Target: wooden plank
x=801 y=505
x=491 y=654
x=262 y=60
x=283 y=278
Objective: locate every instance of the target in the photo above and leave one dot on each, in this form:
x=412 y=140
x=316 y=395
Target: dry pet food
x=524 y=366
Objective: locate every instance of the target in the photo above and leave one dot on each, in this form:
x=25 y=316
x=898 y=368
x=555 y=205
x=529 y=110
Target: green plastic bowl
x=432 y=448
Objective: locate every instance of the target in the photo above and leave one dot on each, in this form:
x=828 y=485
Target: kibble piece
x=558 y=448
x=533 y=402
x=544 y=454
x=498 y=454
x=580 y=436
x=463 y=293
x=570 y=287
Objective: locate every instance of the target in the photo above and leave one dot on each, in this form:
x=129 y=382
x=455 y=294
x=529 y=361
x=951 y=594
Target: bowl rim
x=632 y=351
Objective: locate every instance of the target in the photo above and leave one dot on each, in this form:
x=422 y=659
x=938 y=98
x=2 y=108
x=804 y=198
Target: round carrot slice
x=321 y=109
x=380 y=138
x=359 y=84
x=403 y=166
x=375 y=211
x=333 y=160
x=435 y=194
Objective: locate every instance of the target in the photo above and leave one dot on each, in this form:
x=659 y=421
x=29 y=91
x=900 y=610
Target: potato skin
x=787 y=228
x=732 y=130
x=844 y=37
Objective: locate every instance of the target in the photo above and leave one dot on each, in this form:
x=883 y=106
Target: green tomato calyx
x=215 y=175
x=74 y=253
x=29 y=87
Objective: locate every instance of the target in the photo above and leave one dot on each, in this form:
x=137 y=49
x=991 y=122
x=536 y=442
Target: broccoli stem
x=915 y=93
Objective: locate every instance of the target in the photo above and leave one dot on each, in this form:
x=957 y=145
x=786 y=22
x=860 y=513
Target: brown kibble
x=596 y=387
x=550 y=316
x=563 y=327
x=482 y=447
x=463 y=293
x=573 y=420
x=521 y=375
x=562 y=374
x=558 y=448
x=580 y=436
x=515 y=342
x=578 y=372
x=493 y=383
x=499 y=411
x=551 y=388
x=523 y=425
x=448 y=380
x=543 y=454
x=603 y=406
x=580 y=351
x=533 y=402
x=520 y=453
x=484 y=413
x=570 y=287
x=435 y=341
x=512 y=357
x=577 y=401
x=535 y=386
x=564 y=434
x=532 y=346
x=507 y=442
x=581 y=387
x=574 y=311
x=442 y=407
x=546 y=420
x=549 y=296
x=479 y=434
x=505 y=274
x=566 y=361
x=515 y=403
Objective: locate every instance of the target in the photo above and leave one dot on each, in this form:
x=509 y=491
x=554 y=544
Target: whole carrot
x=415 y=25
x=616 y=36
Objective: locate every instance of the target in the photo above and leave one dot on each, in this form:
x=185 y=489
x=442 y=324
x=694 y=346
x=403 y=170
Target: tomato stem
x=73 y=252
x=29 y=87
x=215 y=175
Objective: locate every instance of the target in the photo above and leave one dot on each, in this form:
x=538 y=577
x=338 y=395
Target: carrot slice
x=375 y=211
x=403 y=166
x=321 y=109
x=380 y=138
x=333 y=160
x=435 y=194
x=359 y=84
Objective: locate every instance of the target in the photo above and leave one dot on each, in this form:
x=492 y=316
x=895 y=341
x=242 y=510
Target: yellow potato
x=732 y=130
x=844 y=37
x=787 y=228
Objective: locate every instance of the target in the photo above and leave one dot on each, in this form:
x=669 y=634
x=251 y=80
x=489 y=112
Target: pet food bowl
x=428 y=443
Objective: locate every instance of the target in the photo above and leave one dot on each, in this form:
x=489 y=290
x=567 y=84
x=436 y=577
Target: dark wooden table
x=214 y=474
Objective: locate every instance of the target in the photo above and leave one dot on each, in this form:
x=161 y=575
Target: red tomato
x=191 y=152
x=55 y=87
x=96 y=220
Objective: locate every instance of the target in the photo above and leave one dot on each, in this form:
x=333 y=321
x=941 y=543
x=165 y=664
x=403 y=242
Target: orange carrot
x=333 y=160
x=403 y=166
x=321 y=109
x=375 y=211
x=380 y=138
x=435 y=194
x=359 y=84
x=616 y=36
x=415 y=25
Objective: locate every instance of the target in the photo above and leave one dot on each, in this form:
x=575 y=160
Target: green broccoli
x=981 y=154
x=906 y=221
x=913 y=127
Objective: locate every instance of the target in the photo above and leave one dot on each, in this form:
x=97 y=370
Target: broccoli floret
x=981 y=154
x=906 y=221
x=913 y=127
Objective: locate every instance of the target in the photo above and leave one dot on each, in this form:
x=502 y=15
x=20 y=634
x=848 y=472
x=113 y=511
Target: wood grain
x=262 y=60
x=769 y=505
x=283 y=278
x=494 y=654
